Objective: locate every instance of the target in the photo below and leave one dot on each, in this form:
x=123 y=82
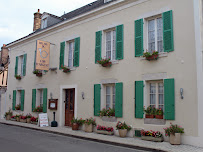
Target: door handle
x=64 y=101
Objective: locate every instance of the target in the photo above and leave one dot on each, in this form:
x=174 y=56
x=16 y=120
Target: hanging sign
x=43 y=120
x=42 y=55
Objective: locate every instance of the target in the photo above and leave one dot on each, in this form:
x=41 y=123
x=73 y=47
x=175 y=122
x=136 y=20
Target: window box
x=159 y=116
x=149 y=116
x=148 y=138
x=152 y=136
x=65 y=69
x=38 y=73
x=107 y=64
x=109 y=119
x=153 y=57
x=18 y=77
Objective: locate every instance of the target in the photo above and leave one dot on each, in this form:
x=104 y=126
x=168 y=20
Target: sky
x=16 y=16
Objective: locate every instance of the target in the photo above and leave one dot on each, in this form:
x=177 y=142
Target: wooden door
x=69 y=106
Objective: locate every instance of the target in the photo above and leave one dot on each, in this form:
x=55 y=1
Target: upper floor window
x=44 y=23
x=110 y=47
x=20 y=65
x=155 y=34
x=69 y=54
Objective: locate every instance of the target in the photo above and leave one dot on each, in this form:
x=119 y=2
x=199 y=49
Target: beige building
x=120 y=30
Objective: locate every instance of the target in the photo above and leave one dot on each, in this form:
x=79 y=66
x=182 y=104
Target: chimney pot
x=38 y=10
x=4 y=45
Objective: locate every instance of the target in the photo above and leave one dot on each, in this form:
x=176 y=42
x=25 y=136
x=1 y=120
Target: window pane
x=151 y=35
x=108 y=90
x=108 y=44
x=160 y=34
x=108 y=101
x=70 y=56
x=41 y=98
x=152 y=88
x=151 y=25
x=161 y=107
x=160 y=46
x=152 y=99
x=161 y=99
x=161 y=88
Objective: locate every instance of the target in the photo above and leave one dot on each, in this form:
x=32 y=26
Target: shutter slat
x=45 y=100
x=22 y=100
x=62 y=49
x=169 y=99
x=33 y=99
x=16 y=66
x=77 y=52
x=98 y=43
x=24 y=64
x=119 y=100
x=119 y=42
x=139 y=38
x=14 y=99
x=97 y=99
x=168 y=31
x=139 y=99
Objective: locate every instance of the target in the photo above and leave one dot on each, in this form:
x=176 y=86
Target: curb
x=90 y=139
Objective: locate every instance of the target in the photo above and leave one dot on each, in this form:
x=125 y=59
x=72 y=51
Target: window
x=156 y=94
x=20 y=65
x=18 y=98
x=69 y=54
x=110 y=96
x=155 y=35
x=110 y=47
x=40 y=98
x=44 y=23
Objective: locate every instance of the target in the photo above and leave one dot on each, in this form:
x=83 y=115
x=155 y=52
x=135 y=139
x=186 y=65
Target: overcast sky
x=16 y=16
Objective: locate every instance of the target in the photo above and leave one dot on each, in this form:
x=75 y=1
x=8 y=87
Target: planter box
x=149 y=138
x=104 y=132
x=18 y=78
x=122 y=132
x=109 y=119
x=34 y=122
x=153 y=57
x=175 y=139
x=66 y=70
x=88 y=128
x=159 y=117
x=39 y=74
x=23 y=120
x=107 y=64
x=149 y=116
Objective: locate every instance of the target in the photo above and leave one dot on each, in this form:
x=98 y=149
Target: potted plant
x=104 y=130
x=122 y=128
x=152 y=135
x=105 y=62
x=17 y=107
x=38 y=109
x=8 y=114
x=34 y=120
x=151 y=56
x=38 y=73
x=65 y=69
x=18 y=77
x=89 y=123
x=150 y=112
x=13 y=118
x=29 y=116
x=159 y=113
x=75 y=123
x=23 y=119
x=17 y=118
x=174 y=132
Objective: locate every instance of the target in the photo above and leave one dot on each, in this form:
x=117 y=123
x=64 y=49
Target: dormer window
x=106 y=1
x=44 y=23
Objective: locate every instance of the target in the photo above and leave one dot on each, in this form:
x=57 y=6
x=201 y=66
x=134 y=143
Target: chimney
x=4 y=54
x=37 y=20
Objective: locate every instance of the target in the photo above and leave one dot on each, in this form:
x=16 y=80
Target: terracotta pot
x=122 y=132
x=23 y=120
x=75 y=126
x=175 y=139
x=153 y=57
x=8 y=117
x=39 y=74
x=28 y=120
x=18 y=119
x=108 y=64
x=159 y=116
x=88 y=128
x=149 y=116
x=66 y=70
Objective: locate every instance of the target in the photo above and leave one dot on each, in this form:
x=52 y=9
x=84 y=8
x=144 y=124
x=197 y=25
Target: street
x=19 y=139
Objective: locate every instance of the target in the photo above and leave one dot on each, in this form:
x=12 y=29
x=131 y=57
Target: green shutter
x=98 y=45
x=139 y=87
x=168 y=31
x=22 y=100
x=33 y=99
x=77 y=52
x=119 y=42
x=45 y=100
x=169 y=99
x=35 y=59
x=139 y=38
x=97 y=99
x=16 y=66
x=119 y=100
x=62 y=49
x=24 y=64
x=14 y=99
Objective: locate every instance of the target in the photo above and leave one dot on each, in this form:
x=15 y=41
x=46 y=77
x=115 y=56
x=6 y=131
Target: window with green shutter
x=97 y=99
x=98 y=46
x=119 y=42
x=76 y=52
x=14 y=99
x=33 y=99
x=16 y=66
x=22 y=99
x=45 y=100
x=24 y=64
x=119 y=100
x=139 y=38
x=139 y=99
x=62 y=49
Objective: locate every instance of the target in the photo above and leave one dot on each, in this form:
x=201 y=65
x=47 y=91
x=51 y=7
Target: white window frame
x=112 y=105
x=67 y=51
x=147 y=32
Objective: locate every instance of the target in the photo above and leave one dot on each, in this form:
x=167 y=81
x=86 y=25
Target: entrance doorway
x=69 y=106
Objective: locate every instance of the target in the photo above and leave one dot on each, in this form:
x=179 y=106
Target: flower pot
x=149 y=116
x=153 y=57
x=18 y=119
x=108 y=64
x=88 y=128
x=66 y=70
x=23 y=120
x=75 y=126
x=175 y=139
x=159 y=116
x=28 y=120
x=8 y=117
x=122 y=132
x=39 y=74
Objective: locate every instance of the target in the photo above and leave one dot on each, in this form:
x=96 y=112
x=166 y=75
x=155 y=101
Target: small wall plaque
x=53 y=104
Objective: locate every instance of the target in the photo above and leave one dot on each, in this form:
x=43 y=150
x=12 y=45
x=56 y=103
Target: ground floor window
x=110 y=96
x=40 y=98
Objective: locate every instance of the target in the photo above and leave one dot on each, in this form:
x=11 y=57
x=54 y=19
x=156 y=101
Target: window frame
x=67 y=52
x=112 y=100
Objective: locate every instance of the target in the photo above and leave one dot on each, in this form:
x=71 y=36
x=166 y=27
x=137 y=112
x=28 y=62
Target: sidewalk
x=127 y=142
